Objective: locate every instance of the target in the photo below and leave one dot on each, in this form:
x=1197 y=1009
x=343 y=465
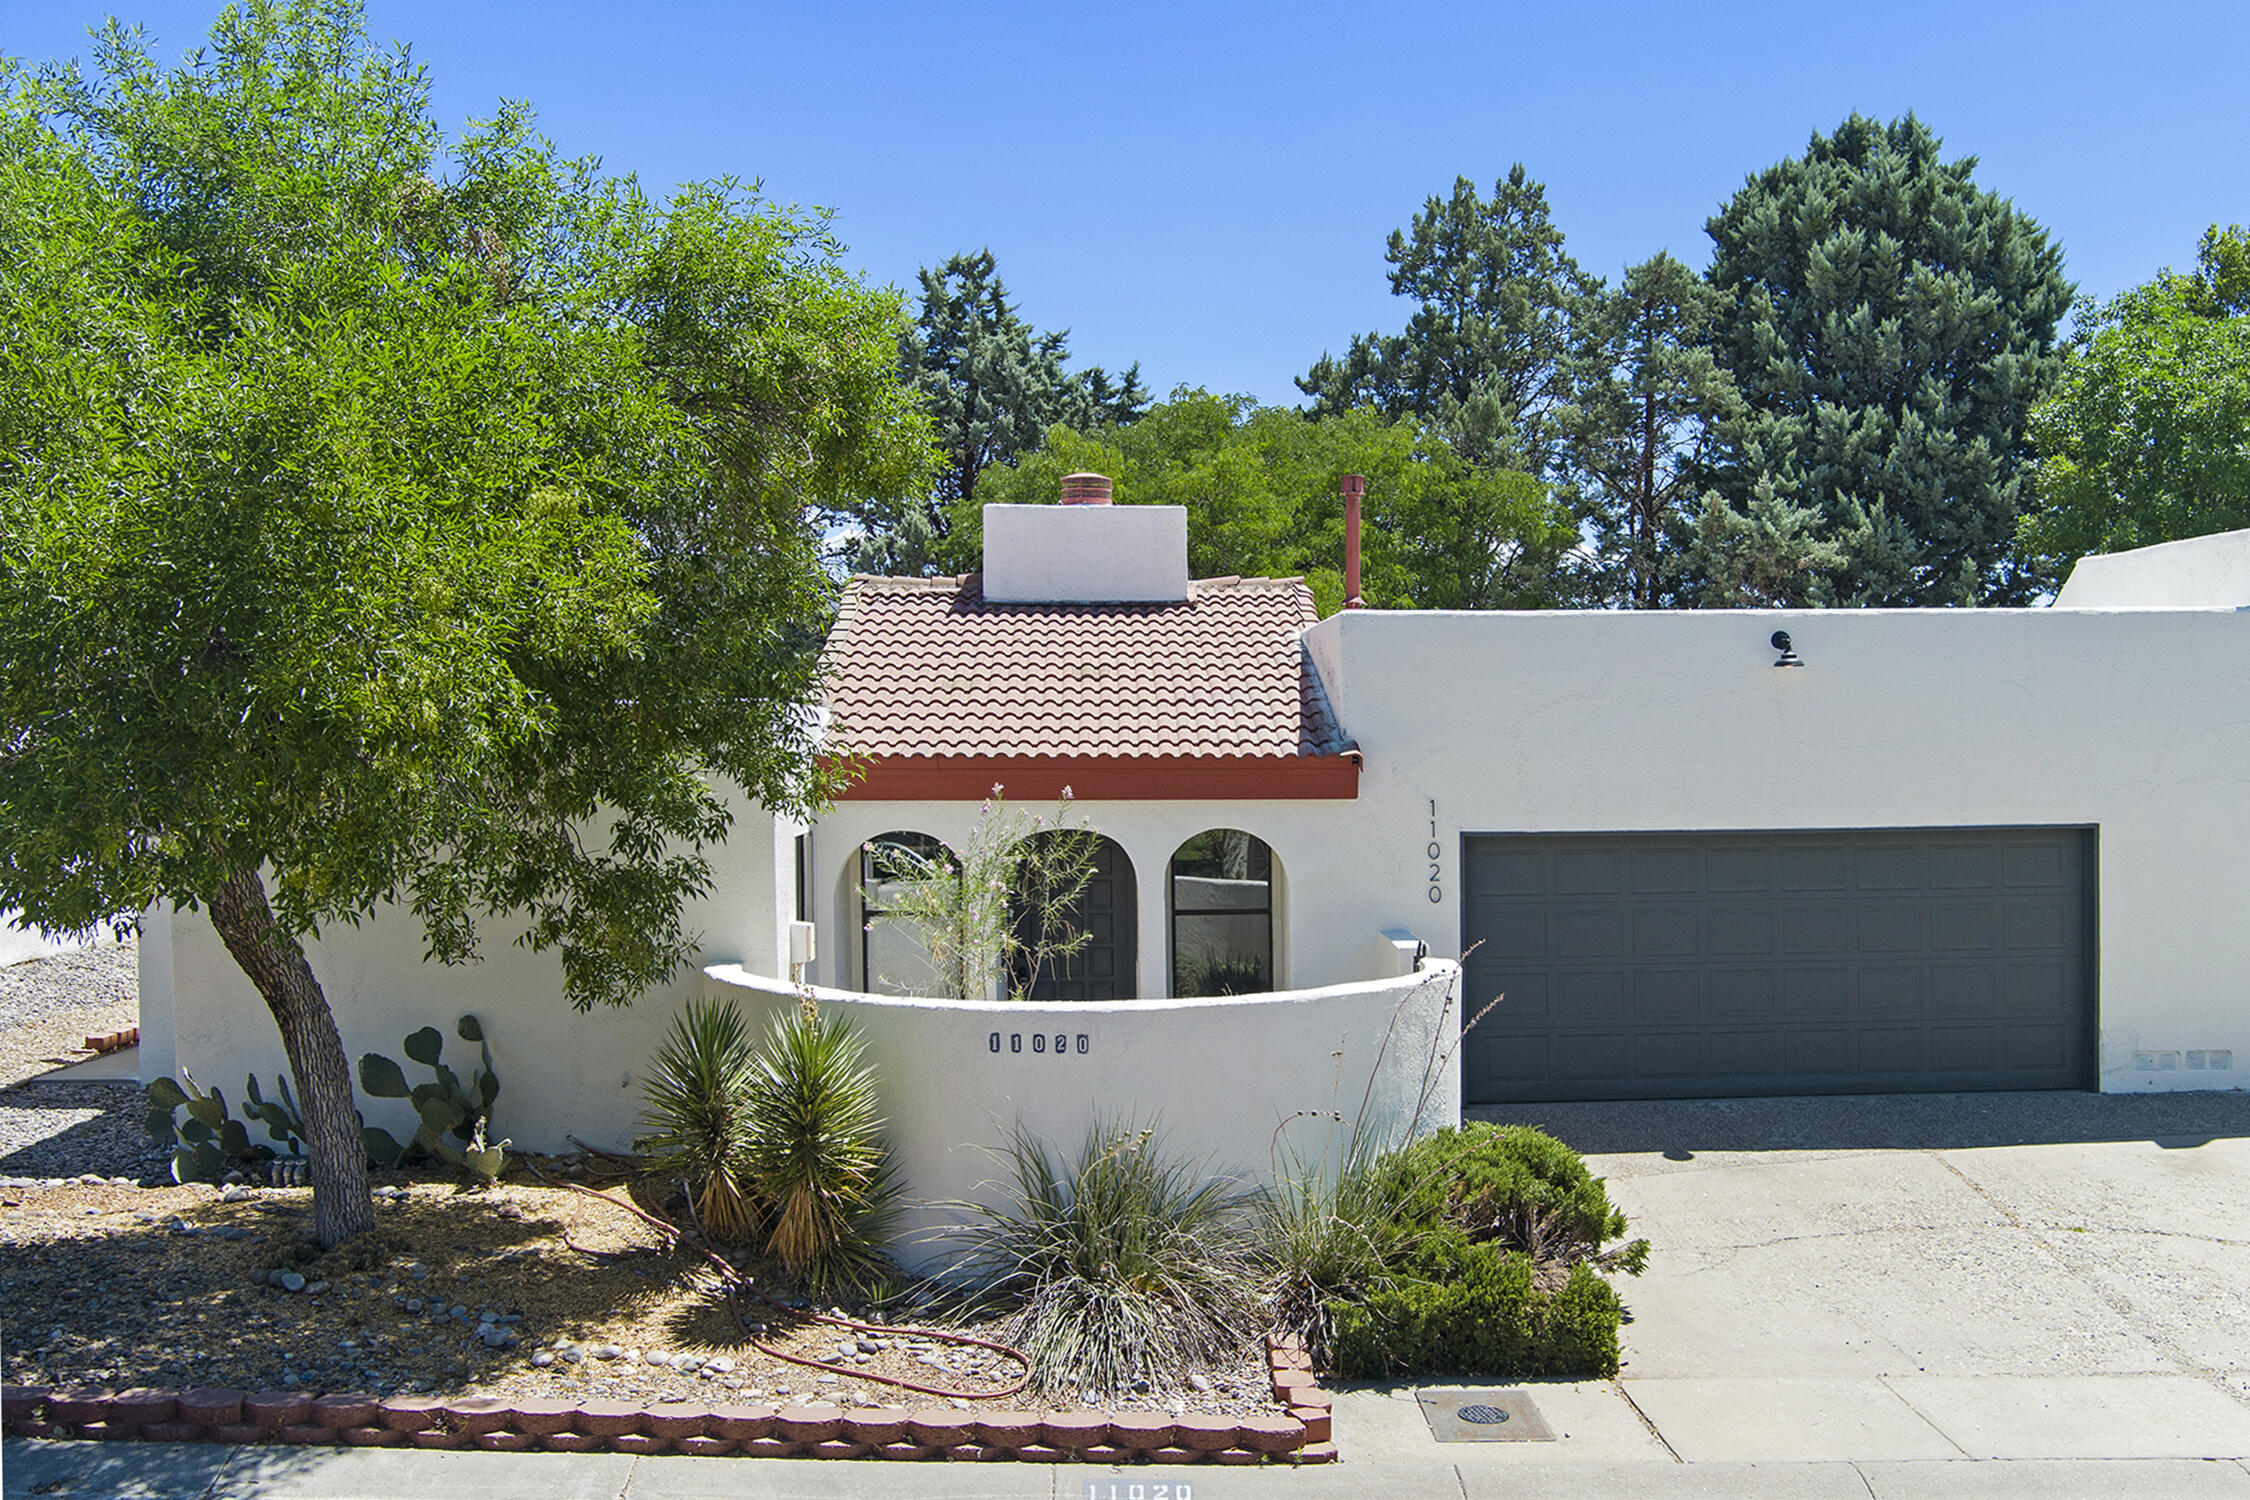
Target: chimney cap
x=1085 y=489
x=1354 y=484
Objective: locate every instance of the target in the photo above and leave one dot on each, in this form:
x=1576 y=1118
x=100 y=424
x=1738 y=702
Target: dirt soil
x=166 y=1286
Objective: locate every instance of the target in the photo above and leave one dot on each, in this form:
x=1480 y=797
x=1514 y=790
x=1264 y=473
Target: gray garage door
x=1653 y=966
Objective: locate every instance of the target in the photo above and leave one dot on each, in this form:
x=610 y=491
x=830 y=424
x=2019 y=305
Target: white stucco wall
x=561 y=1072
x=2204 y=571
x=1217 y=1078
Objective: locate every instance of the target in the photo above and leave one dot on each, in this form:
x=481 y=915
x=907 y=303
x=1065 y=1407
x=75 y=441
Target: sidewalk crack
x=1661 y=1440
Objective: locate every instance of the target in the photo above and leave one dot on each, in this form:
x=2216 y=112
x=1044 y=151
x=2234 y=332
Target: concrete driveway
x=1950 y=1277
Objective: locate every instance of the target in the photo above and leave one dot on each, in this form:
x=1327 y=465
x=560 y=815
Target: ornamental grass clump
x=698 y=1114
x=1129 y=1265
x=815 y=1159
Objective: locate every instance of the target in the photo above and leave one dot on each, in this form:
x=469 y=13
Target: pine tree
x=1485 y=356
x=992 y=386
x=1648 y=396
x=1891 y=326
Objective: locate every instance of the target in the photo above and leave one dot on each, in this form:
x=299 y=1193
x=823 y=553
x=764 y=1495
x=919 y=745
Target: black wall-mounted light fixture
x=1789 y=656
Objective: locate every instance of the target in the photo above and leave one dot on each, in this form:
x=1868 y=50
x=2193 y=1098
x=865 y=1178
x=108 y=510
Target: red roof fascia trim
x=1120 y=778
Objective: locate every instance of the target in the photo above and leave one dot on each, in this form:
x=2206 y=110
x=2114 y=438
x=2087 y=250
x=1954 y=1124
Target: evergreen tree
x=2145 y=441
x=1484 y=358
x=992 y=386
x=1648 y=396
x=1891 y=326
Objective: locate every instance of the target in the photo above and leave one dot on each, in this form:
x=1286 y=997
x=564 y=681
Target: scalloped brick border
x=503 y=1425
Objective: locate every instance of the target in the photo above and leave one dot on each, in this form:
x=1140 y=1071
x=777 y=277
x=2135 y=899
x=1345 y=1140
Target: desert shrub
x=1128 y=1265
x=698 y=1113
x=1513 y=1184
x=815 y=1160
x=1490 y=1265
x=1468 y=1307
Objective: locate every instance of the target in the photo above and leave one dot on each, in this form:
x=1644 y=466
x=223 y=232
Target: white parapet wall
x=1242 y=1084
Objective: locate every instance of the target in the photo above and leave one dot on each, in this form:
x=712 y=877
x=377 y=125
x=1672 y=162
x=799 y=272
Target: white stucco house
x=1903 y=850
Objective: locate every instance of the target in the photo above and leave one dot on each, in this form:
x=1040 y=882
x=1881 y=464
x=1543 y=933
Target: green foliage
x=209 y=1142
x=1647 y=397
x=1001 y=905
x=1330 y=1240
x=1260 y=488
x=814 y=1160
x=1484 y=358
x=1488 y=1262
x=1889 y=327
x=389 y=498
x=991 y=386
x=2145 y=440
x=1128 y=1264
x=407 y=519
x=452 y=1115
x=1477 y=1309
x=698 y=1113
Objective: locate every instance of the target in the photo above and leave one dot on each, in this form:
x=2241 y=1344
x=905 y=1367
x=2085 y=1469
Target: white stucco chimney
x=1085 y=550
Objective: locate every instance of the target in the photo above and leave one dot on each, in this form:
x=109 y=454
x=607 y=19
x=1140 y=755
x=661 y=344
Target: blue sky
x=1206 y=188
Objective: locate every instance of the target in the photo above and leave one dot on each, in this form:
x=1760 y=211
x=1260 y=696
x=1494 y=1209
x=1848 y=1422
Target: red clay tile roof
x=922 y=667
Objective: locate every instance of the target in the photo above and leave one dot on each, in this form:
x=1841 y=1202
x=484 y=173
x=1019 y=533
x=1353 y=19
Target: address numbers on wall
x=1058 y=1043
x=1437 y=859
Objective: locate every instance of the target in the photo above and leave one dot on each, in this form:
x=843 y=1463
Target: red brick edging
x=807 y=1431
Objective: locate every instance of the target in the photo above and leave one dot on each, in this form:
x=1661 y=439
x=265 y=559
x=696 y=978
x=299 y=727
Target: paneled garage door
x=1653 y=966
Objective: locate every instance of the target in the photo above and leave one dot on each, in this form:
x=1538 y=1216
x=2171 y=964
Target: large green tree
x=1260 y=485
x=1647 y=397
x=1890 y=326
x=1484 y=357
x=394 y=523
x=2148 y=438
x=992 y=385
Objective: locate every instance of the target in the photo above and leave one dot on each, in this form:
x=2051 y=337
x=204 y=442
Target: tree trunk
x=276 y=965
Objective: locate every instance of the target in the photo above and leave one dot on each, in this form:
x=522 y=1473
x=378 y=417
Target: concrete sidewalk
x=148 y=1471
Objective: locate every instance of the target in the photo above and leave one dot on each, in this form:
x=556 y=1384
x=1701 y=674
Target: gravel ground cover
x=71 y=1129
x=465 y=1293
x=48 y=1006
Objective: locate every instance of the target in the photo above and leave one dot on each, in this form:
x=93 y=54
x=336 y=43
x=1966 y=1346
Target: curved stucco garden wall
x=1222 y=1079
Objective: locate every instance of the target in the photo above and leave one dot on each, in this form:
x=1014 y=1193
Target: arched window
x=1222 y=915
x=1108 y=911
x=893 y=959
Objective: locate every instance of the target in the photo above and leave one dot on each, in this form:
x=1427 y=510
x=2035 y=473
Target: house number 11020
x=1437 y=854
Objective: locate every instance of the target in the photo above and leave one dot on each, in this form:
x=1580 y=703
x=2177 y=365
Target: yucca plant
x=1128 y=1265
x=698 y=1113
x=815 y=1157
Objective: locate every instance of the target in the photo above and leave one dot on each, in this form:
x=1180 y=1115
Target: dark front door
x=1652 y=966
x=1108 y=911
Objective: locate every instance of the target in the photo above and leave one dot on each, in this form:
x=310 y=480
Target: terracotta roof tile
x=927 y=667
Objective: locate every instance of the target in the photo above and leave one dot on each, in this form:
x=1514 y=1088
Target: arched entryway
x=1108 y=911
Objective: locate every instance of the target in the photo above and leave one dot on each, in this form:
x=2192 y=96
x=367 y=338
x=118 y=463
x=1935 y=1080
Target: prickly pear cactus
x=450 y=1116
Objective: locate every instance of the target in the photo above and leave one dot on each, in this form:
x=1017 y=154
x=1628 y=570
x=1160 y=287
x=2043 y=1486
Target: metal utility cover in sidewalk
x=1483 y=1417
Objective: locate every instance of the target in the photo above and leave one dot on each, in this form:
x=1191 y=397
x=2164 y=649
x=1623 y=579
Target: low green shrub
x=1495 y=1262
